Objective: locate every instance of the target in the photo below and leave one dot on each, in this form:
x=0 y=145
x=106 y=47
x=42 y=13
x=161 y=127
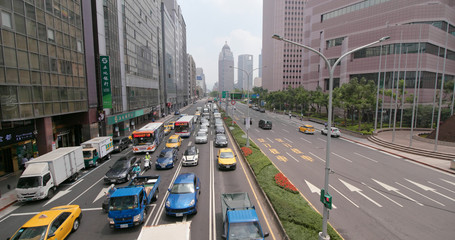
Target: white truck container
x=44 y=174
x=96 y=150
x=179 y=230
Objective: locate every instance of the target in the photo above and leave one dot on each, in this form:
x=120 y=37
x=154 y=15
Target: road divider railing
x=298 y=218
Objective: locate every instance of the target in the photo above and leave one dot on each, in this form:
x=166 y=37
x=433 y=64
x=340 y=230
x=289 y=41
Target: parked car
x=334 y=133
x=201 y=137
x=56 y=223
x=121 y=171
x=174 y=141
x=121 y=143
x=307 y=129
x=226 y=159
x=219 y=129
x=166 y=159
x=221 y=140
x=191 y=156
x=262 y=110
x=184 y=195
x=265 y=124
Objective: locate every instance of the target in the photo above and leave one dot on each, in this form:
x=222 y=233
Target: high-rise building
x=245 y=62
x=191 y=78
x=200 y=82
x=225 y=69
x=260 y=65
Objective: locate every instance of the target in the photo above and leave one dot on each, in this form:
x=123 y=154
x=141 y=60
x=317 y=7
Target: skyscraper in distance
x=225 y=70
x=246 y=63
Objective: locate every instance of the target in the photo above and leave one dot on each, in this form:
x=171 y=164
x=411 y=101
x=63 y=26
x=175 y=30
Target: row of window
x=426 y=79
x=26 y=77
x=38 y=110
x=441 y=25
x=334 y=42
x=22 y=94
x=351 y=8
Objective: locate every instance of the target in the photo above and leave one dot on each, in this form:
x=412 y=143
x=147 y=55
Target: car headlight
x=192 y=202
x=168 y=204
x=122 y=175
x=137 y=218
x=111 y=220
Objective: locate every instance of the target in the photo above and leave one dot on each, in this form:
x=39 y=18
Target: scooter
x=147 y=165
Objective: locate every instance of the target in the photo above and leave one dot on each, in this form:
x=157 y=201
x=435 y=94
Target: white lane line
x=442 y=187
x=382 y=195
x=316 y=190
x=189 y=143
x=285 y=130
x=341 y=157
x=256 y=130
x=314 y=155
x=426 y=188
x=211 y=194
x=292 y=157
x=390 y=188
x=420 y=194
x=305 y=140
x=91 y=209
x=447 y=181
x=288 y=139
x=353 y=188
x=62 y=193
x=85 y=191
x=343 y=196
x=358 y=154
x=270 y=140
x=377 y=150
x=320 y=139
x=272 y=131
x=150 y=213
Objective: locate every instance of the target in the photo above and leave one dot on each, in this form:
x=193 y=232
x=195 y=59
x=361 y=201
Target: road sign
x=233 y=102
x=224 y=94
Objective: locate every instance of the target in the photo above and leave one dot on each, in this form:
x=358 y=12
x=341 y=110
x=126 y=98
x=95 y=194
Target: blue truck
x=128 y=205
x=240 y=220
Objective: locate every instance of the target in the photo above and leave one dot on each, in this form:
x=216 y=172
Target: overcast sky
x=210 y=23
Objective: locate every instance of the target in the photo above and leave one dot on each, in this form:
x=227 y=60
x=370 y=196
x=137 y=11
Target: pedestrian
x=290 y=114
x=273 y=110
x=24 y=160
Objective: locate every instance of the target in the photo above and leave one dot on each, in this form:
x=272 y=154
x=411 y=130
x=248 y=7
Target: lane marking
x=353 y=188
x=308 y=158
x=305 y=140
x=382 y=194
x=261 y=140
x=189 y=143
x=426 y=188
x=341 y=157
x=292 y=157
x=287 y=145
x=62 y=192
x=270 y=140
x=447 y=181
x=282 y=158
x=442 y=187
x=212 y=212
x=285 y=130
x=274 y=151
x=320 y=139
x=102 y=193
x=344 y=196
x=267 y=145
x=358 y=154
x=279 y=140
x=315 y=189
x=85 y=191
x=297 y=151
x=149 y=214
x=390 y=188
x=420 y=194
x=288 y=139
x=316 y=156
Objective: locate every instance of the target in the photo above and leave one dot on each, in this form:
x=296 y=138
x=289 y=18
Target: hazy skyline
x=211 y=23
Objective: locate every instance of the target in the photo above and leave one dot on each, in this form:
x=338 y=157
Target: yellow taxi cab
x=306 y=129
x=226 y=159
x=174 y=141
x=56 y=223
x=167 y=129
x=172 y=124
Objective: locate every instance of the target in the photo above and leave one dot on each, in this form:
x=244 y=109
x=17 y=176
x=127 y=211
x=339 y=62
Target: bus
x=148 y=138
x=184 y=126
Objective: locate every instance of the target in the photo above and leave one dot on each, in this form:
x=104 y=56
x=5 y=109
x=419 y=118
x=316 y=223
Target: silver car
x=204 y=128
x=191 y=156
x=335 y=132
x=201 y=137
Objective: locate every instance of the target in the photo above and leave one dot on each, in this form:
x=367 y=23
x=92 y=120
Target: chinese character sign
x=106 y=82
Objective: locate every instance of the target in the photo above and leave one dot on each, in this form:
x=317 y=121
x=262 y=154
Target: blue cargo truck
x=240 y=220
x=128 y=205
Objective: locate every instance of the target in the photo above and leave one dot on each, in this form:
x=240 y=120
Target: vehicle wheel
x=97 y=163
x=128 y=177
x=50 y=193
x=76 y=225
x=145 y=216
x=109 y=156
x=155 y=196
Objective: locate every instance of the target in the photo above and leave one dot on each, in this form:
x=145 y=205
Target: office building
x=245 y=62
x=225 y=70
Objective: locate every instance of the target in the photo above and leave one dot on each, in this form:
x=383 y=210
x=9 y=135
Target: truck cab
x=35 y=183
x=127 y=207
x=91 y=157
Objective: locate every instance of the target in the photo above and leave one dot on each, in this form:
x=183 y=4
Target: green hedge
x=298 y=218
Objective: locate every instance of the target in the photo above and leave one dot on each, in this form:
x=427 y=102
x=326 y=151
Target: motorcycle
x=147 y=165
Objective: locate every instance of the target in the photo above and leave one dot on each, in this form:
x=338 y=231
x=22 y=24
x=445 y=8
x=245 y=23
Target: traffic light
x=326 y=199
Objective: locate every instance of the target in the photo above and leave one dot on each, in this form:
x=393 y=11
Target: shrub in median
x=284 y=183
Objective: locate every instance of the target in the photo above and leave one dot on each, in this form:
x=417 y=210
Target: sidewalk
x=8 y=194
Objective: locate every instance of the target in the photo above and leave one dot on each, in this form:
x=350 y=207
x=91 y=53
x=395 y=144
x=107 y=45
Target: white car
x=201 y=137
x=335 y=132
x=204 y=128
x=191 y=156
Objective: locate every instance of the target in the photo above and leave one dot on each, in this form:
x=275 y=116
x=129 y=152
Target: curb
x=8 y=205
x=417 y=161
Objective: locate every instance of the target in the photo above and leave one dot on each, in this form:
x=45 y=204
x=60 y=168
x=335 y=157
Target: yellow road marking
x=261 y=140
x=274 y=151
x=282 y=158
x=307 y=158
x=296 y=150
x=279 y=140
x=287 y=145
x=267 y=145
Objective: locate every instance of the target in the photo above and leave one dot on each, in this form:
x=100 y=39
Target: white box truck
x=97 y=150
x=179 y=230
x=44 y=174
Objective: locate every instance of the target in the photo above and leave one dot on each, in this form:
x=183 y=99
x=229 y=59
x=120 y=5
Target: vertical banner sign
x=106 y=82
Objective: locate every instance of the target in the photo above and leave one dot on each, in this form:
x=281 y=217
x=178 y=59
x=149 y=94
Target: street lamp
x=247 y=121
x=324 y=235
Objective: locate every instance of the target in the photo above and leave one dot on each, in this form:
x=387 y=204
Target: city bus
x=148 y=138
x=184 y=126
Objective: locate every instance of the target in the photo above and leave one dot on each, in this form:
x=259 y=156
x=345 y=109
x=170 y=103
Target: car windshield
x=87 y=154
x=203 y=127
x=201 y=134
x=190 y=151
x=116 y=141
x=120 y=164
x=226 y=155
x=29 y=182
x=166 y=154
x=123 y=203
x=221 y=138
x=37 y=233
x=180 y=188
x=173 y=140
x=248 y=230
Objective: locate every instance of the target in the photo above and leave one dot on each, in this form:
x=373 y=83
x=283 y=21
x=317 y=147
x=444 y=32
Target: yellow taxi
x=167 y=129
x=306 y=129
x=174 y=141
x=56 y=223
x=172 y=124
x=226 y=159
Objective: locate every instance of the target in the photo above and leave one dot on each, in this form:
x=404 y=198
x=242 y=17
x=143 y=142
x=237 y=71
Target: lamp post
x=247 y=121
x=323 y=235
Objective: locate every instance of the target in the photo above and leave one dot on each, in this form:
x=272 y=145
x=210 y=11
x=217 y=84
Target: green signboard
x=236 y=95
x=125 y=116
x=224 y=94
x=106 y=81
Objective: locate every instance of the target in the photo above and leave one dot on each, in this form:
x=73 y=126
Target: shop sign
x=125 y=116
x=18 y=134
x=106 y=81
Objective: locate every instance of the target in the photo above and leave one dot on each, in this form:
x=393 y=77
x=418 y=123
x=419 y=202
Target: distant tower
x=246 y=63
x=225 y=70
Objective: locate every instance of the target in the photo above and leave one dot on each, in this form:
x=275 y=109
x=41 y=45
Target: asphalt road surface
x=375 y=195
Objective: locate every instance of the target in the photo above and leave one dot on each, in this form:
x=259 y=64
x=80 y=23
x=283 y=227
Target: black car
x=221 y=141
x=121 y=143
x=121 y=171
x=177 y=112
x=265 y=124
x=219 y=129
x=262 y=110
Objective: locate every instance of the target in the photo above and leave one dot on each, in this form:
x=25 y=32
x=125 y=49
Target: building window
x=79 y=46
x=50 y=35
x=6 y=19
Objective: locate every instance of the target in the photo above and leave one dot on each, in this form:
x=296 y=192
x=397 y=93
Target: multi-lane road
x=375 y=195
x=88 y=192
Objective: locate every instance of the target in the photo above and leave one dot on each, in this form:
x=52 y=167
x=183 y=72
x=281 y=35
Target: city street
x=375 y=195
x=88 y=192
